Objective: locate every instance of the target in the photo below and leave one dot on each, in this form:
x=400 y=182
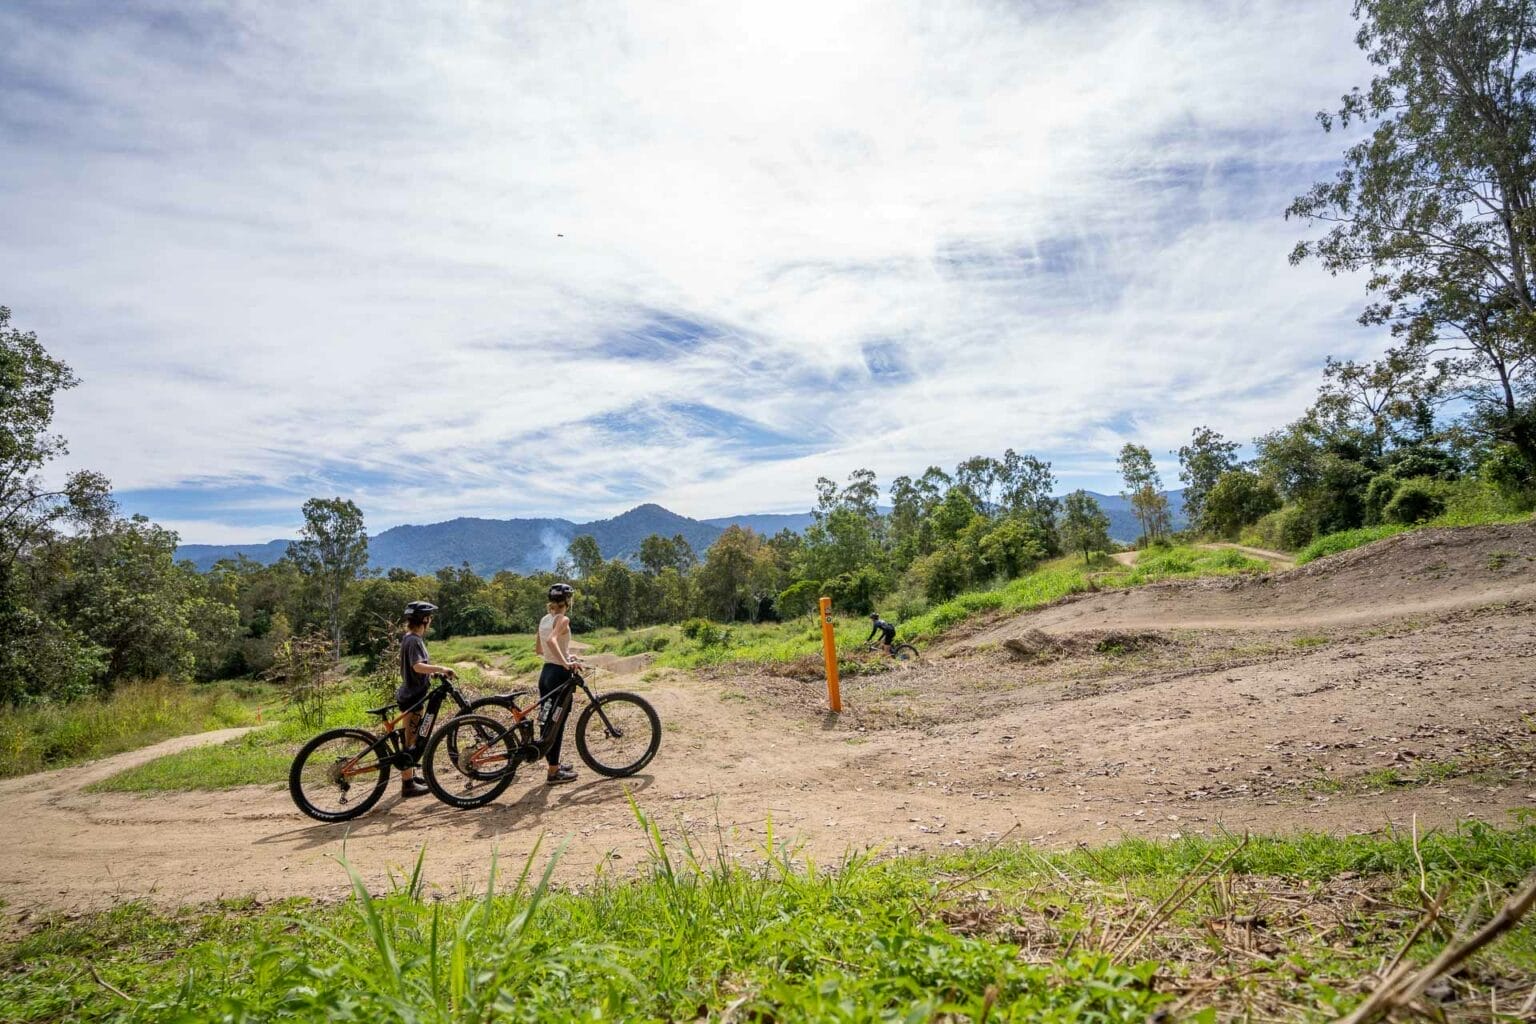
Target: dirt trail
x=1083 y=730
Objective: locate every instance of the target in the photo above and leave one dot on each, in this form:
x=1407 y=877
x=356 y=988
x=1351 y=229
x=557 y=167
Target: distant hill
x=767 y=525
x=531 y=545
x=1123 y=525
x=490 y=545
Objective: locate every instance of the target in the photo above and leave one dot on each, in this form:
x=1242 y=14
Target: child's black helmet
x=875 y=616
x=419 y=609
x=561 y=592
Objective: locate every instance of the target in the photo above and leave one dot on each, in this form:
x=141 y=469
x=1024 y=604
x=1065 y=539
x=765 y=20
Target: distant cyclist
x=885 y=629
x=416 y=672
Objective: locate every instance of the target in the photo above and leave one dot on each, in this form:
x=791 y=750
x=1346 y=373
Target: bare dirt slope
x=1413 y=574
x=1346 y=695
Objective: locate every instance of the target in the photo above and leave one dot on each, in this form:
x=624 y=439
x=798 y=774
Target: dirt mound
x=1040 y=647
x=1428 y=572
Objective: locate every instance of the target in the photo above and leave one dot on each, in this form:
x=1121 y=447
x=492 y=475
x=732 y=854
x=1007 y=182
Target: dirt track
x=1272 y=704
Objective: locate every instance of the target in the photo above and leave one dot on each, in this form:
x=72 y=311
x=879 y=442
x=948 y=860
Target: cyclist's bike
x=472 y=759
x=901 y=652
x=341 y=773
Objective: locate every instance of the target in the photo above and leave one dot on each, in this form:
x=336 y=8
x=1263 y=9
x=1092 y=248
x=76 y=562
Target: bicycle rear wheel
x=470 y=761
x=620 y=739
x=904 y=652
x=338 y=775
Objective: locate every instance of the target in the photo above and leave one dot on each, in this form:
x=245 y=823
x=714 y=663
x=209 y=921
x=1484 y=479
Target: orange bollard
x=829 y=651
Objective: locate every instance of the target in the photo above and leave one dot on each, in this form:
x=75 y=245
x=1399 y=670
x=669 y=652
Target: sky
x=528 y=259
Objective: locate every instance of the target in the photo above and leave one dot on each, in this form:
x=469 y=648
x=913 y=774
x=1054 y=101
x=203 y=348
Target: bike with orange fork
x=341 y=773
x=472 y=759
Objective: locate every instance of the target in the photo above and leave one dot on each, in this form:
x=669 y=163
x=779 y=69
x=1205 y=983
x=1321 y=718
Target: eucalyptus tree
x=1435 y=201
x=332 y=552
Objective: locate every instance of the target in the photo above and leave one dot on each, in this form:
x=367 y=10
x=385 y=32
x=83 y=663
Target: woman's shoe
x=563 y=774
x=413 y=787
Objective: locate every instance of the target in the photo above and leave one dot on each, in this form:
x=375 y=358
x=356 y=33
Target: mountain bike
x=341 y=773
x=473 y=759
x=900 y=652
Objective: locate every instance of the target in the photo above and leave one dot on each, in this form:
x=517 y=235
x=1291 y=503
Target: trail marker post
x=829 y=652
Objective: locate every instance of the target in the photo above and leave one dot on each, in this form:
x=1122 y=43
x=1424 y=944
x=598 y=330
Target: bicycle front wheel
x=338 y=775
x=904 y=652
x=618 y=734
x=469 y=761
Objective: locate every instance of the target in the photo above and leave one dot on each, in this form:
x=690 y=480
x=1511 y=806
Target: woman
x=554 y=646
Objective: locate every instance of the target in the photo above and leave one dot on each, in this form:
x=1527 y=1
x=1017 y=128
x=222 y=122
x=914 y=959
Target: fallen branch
x=1401 y=989
x=104 y=983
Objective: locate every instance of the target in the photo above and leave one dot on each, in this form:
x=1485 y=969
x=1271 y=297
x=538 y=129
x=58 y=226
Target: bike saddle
x=382 y=712
x=515 y=693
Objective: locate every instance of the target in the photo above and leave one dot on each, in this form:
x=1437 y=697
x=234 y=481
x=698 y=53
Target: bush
x=799 y=598
x=1378 y=495
x=1238 y=499
x=705 y=633
x=1287 y=529
x=1414 y=502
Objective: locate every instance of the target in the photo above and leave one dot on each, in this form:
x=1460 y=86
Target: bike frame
x=393 y=752
x=561 y=699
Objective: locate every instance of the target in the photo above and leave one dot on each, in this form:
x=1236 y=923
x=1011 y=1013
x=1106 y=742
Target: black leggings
x=551 y=679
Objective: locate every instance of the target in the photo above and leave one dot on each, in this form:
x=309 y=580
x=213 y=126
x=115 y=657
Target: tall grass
x=134 y=715
x=260 y=757
x=698 y=936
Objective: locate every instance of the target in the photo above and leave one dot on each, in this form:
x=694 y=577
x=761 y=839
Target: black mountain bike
x=341 y=773
x=900 y=652
x=472 y=760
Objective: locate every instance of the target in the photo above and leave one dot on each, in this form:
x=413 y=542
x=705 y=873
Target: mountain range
x=531 y=545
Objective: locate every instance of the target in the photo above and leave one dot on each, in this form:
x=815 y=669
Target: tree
x=1382 y=398
x=1084 y=526
x=30 y=379
x=1437 y=201
x=978 y=478
x=332 y=552
x=725 y=579
x=1012 y=547
x=1144 y=489
x=1237 y=499
x=1201 y=463
x=585 y=555
x=1025 y=484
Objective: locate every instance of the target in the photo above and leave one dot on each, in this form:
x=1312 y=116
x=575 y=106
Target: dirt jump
x=1355 y=693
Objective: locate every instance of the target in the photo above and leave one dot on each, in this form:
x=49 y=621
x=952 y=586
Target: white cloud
x=316 y=246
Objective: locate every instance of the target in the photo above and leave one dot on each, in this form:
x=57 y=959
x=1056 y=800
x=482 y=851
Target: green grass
x=1346 y=540
x=1180 y=562
x=694 y=938
x=259 y=757
x=134 y=715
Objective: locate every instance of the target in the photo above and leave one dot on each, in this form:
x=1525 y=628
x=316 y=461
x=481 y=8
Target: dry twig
x=1402 y=989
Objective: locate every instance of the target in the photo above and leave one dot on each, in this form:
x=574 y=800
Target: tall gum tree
x=332 y=551
x=1436 y=201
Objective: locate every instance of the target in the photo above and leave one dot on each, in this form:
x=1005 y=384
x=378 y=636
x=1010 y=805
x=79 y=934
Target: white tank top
x=546 y=635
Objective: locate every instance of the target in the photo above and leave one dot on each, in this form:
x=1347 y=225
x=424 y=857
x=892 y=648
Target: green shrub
x=1286 y=529
x=1415 y=501
x=1378 y=494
